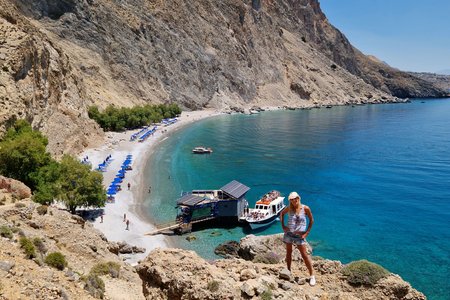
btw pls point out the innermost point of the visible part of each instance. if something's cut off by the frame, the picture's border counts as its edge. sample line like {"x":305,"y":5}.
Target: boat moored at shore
{"x":266,"y":210}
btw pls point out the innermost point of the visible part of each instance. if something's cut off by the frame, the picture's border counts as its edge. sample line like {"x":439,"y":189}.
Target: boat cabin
{"x":275,"y":206}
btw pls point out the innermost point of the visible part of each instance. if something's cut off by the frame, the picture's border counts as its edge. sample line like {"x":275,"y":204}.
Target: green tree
{"x":23,"y":153}
{"x":118,"y":119}
{"x":78,"y":186}
{"x":46,"y":179}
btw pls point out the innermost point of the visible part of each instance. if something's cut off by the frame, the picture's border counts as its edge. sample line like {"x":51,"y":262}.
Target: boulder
{"x":285,"y":274}
{"x":228,"y":249}
{"x":6,"y":265}
{"x":15,"y":187}
{"x":247,"y":274}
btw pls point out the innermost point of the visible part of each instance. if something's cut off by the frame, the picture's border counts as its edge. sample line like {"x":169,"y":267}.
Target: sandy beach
{"x":128,"y":202}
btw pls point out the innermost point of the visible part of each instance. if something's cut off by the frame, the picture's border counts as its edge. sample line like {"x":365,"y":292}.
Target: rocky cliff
{"x":439,"y":80}
{"x":58,"y":57}
{"x":250,"y":273}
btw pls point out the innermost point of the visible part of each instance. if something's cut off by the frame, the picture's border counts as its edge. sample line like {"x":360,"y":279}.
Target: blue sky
{"x":412,"y":35}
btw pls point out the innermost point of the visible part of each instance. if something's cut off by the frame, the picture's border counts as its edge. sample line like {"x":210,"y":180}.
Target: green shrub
{"x":39,"y":244}
{"x":42,"y":210}
{"x":363,"y":272}
{"x":6,"y":232}
{"x":95,"y":286}
{"x":213,"y":286}
{"x":56,"y":260}
{"x":267,"y":295}
{"x":108,"y":268}
{"x":28,"y":247}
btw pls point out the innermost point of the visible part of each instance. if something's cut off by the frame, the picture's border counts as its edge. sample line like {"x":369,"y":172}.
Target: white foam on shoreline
{"x":129,"y":202}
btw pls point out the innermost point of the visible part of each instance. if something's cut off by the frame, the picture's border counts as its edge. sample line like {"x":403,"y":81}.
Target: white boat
{"x":267,"y":209}
{"x":201,"y":150}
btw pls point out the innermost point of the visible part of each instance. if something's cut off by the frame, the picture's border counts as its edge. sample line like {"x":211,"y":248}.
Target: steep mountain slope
{"x":58,"y":57}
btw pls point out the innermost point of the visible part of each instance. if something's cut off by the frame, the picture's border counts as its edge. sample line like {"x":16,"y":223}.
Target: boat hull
{"x":262,"y":223}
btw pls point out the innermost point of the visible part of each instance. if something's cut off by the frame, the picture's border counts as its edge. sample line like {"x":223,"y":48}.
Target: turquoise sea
{"x":377,"y":179}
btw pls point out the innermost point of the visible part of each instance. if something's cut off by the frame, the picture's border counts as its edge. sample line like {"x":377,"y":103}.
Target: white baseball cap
{"x":293,"y":195}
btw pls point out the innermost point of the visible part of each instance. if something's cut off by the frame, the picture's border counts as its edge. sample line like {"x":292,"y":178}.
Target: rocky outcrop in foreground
{"x":25,"y":277}
{"x":181,"y":274}
{"x":164,"y":274}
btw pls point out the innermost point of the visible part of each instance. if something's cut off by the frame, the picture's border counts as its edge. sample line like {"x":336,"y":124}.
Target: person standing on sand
{"x":296,"y":232}
{"x":101,"y":218}
{"x":129,"y":185}
{"x":128,"y":225}
{"x":124,"y":217}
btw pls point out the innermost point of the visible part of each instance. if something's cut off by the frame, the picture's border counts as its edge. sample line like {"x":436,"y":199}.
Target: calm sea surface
{"x":377,"y":179}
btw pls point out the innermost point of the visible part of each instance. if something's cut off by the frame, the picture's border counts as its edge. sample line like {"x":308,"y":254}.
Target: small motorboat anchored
{"x":201,"y":150}
{"x":267,"y":209}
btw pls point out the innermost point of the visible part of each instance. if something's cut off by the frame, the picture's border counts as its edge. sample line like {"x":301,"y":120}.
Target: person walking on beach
{"x":296,"y":231}
{"x":128,"y":225}
{"x":124,"y":217}
{"x":101,"y":218}
{"x":129,"y":185}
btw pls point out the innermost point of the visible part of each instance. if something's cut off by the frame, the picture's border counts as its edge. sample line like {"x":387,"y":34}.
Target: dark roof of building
{"x":235,"y":189}
{"x":190,"y":200}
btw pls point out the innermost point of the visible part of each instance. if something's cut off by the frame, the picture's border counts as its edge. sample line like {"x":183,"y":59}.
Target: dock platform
{"x":225,"y":205}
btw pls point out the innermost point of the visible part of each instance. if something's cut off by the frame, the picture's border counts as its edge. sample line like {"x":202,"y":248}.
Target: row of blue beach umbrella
{"x":168,"y":122}
{"x":114,"y":187}
{"x":134,"y":136}
{"x":144,"y":133}
{"x":102,"y":167}
{"x":147,"y":134}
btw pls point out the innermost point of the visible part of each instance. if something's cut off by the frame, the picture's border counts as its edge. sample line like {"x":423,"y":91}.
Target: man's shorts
{"x":291,"y":238}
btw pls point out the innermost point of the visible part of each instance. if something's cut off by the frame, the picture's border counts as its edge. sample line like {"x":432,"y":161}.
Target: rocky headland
{"x":439,"y":80}
{"x":59,"y":57}
{"x":95,"y":269}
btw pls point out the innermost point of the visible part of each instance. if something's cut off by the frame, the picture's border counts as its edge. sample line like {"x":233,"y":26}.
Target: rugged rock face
{"x":79,"y":242}
{"x":441,"y":81}
{"x":58,"y":57}
{"x":181,"y":274}
{"x":37,"y":83}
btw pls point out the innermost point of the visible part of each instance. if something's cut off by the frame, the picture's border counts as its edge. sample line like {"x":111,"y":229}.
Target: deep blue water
{"x":377,"y":179}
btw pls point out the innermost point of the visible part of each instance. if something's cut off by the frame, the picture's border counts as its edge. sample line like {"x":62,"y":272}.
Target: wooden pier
{"x":176,"y":226}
